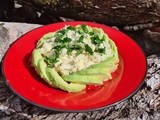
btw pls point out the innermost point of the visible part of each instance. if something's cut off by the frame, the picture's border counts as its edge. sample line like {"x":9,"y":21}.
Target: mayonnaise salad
{"x":73,"y":49}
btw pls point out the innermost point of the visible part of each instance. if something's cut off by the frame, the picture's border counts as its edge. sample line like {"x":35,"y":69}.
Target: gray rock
{"x":10,"y":33}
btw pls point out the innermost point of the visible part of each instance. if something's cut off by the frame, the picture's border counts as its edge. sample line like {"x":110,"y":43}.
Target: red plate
{"x":24,"y":81}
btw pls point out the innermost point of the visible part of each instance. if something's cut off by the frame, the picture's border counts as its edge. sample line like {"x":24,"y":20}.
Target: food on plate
{"x":75,"y":56}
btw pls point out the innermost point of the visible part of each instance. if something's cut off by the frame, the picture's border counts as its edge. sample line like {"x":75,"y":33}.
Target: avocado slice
{"x":44,"y":38}
{"x":85,"y":79}
{"x":60,"y":83}
{"x":99,"y":31}
{"x":51,"y":76}
{"x":95,"y":71}
{"x":42,"y":70}
{"x":110,"y":67}
{"x":36,"y":55}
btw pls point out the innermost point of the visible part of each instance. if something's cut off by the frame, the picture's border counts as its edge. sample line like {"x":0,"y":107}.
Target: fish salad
{"x":75,"y":55}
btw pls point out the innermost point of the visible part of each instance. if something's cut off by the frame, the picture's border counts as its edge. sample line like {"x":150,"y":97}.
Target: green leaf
{"x":69,"y":49}
{"x":102,"y":50}
{"x":71,"y":28}
{"x":91,"y":33}
{"x":84,"y":28}
{"x":79,"y":52}
{"x":50,"y":61}
{"x":76,"y":47}
{"x":81,"y":39}
{"x":58,"y":38}
{"x":66,"y":39}
{"x":63,"y":31}
{"x":88,"y":49}
{"x":96,"y":40}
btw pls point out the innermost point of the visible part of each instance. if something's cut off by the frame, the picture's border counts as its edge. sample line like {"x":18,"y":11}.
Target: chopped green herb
{"x":96,"y":40}
{"x":102,"y":50}
{"x":76,"y":47}
{"x":63,"y":45}
{"x":66,"y":39}
{"x":50,"y":61}
{"x":81,"y":39}
{"x":71,"y":28}
{"x":79,"y":52}
{"x":84,"y":28}
{"x":62,"y":41}
{"x":93,"y":40}
{"x":58,"y":47}
{"x":63,"y":31}
{"x":57,"y":54}
{"x":88,"y":49}
{"x":91,"y":33}
{"x":81,"y":33}
{"x":58,"y":38}
{"x":69,"y":49}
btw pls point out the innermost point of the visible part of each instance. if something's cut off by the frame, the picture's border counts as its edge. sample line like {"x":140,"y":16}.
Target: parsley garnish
{"x":91,"y":33}
{"x":58,"y":37}
{"x":50,"y":61}
{"x":66,"y":39}
{"x":69,"y":49}
{"x":88,"y":49}
{"x":62,"y":41}
{"x":81,"y":39}
{"x":63,"y":31}
{"x":71,"y":28}
{"x":84,"y":28}
{"x":79,"y":49}
{"x":102,"y":50}
{"x":96,"y":40}
{"x":79,"y":52}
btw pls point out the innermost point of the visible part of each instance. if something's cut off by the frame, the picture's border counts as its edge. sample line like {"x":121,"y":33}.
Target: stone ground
{"x":144,"y":105}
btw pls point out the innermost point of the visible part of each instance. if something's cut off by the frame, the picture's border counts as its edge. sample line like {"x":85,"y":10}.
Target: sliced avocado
{"x":89,"y":29}
{"x":42,"y":70}
{"x":115,"y":51}
{"x":99,"y":31}
{"x":112,"y":68}
{"x":112,"y":60}
{"x":60,"y":83}
{"x":115,"y":58}
{"x":51,"y":76}
{"x":95,"y":71}
{"x":109,"y":66}
{"x":36,"y":55}
{"x":44,"y":38}
{"x":85,"y":79}
{"x":104,"y":64}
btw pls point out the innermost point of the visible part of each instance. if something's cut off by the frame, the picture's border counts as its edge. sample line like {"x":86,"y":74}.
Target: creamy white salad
{"x":70,"y":50}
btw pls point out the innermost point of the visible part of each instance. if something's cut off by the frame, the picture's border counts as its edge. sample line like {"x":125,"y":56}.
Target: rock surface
{"x":112,"y":12}
{"x":144,"y":105}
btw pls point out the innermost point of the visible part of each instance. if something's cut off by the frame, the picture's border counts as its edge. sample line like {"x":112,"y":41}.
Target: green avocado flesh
{"x":85,"y":79}
{"x":60,"y":83}
{"x":106,"y":65}
{"x":93,"y":75}
{"x":94,"y":71}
